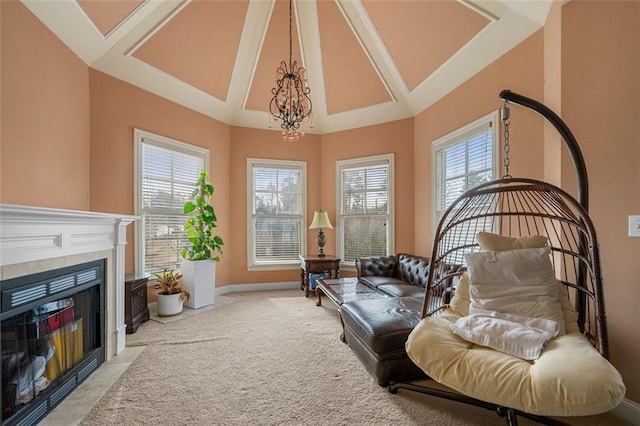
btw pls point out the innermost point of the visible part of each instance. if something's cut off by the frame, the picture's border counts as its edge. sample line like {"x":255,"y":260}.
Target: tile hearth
{"x":76,"y":407}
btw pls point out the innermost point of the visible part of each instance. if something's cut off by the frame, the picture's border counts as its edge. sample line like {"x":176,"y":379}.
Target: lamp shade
{"x":320,"y":220}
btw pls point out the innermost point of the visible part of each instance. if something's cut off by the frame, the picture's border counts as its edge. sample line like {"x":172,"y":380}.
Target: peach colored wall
{"x":601,"y":104}
{"x":394,"y":137}
{"x":553,"y":145}
{"x":45,"y":116}
{"x":265,"y":144}
{"x":321,"y":154}
{"x":519,"y":70}
{"x":116,"y":109}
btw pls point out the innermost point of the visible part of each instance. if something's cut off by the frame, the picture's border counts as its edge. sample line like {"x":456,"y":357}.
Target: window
{"x":165,"y":175}
{"x":463,"y":159}
{"x":365,"y":207}
{"x":276,"y":224}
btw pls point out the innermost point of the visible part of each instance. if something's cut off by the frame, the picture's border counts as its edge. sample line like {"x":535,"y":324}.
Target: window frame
{"x":139,"y":137}
{"x":252,"y":263}
{"x":456,"y":137}
{"x":373,"y":160}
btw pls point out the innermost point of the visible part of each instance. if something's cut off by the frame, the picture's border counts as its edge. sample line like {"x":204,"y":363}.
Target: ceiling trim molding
{"x":367,"y":116}
{"x":71,"y":24}
{"x":157,"y":27}
{"x":122,"y":23}
{"x":309,"y":31}
{"x":511,"y":22}
{"x":132,"y":70}
{"x":496,"y":39}
{"x":478,"y":9}
{"x":249,"y":48}
{"x":368,"y":28}
{"x":372,"y":42}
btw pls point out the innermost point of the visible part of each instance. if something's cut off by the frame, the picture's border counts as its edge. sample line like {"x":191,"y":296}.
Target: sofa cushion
{"x":375,"y":281}
{"x":382,"y":324}
{"x":402,"y":290}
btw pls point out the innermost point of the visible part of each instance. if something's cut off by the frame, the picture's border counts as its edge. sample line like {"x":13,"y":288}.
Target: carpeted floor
{"x":266,"y":358}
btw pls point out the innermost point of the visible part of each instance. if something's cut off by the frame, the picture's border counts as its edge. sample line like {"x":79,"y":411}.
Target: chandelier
{"x":291,"y":102}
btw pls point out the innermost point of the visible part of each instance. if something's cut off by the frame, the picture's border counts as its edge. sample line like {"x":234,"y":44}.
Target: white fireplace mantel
{"x":34,"y":239}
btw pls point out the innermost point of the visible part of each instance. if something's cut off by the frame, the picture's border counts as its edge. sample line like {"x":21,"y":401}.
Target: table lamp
{"x":321,"y":220}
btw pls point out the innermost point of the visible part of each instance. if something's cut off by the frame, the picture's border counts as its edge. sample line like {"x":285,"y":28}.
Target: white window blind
{"x":276,"y":230}
{"x":463,"y":160}
{"x":365,"y":207}
{"x":167,"y":175}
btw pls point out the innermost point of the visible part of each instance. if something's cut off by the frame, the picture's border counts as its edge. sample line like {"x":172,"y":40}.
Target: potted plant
{"x":171,"y":296}
{"x":201,"y":256}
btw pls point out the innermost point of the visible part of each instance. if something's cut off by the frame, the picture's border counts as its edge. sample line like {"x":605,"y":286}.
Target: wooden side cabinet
{"x":135,"y":306}
{"x":309,"y":264}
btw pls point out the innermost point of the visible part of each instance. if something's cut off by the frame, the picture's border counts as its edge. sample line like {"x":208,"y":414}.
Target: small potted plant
{"x":171,"y":297}
{"x":200,"y":257}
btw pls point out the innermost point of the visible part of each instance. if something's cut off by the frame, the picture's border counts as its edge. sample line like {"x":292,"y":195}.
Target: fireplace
{"x":71,"y":262}
{"x":52,"y":338}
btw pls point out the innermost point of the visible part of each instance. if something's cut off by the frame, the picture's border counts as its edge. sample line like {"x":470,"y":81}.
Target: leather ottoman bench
{"x":377,"y":329}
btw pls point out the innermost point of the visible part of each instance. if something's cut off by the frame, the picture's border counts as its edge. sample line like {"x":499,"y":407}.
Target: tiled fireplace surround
{"x":35,"y":239}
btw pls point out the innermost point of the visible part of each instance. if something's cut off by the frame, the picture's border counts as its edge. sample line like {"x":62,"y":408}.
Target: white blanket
{"x":516,"y":335}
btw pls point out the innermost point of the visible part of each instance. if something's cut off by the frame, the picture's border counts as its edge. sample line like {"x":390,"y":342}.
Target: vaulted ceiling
{"x":367,"y":61}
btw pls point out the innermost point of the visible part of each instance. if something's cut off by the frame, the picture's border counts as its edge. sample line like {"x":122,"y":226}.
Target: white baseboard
{"x":628,"y":411}
{"x":234,"y":288}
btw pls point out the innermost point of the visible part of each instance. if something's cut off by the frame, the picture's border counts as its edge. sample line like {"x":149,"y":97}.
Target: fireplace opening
{"x":52,"y":338}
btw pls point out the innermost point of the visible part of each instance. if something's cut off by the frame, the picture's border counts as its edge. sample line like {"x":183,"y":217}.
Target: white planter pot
{"x":168,"y":304}
{"x":199,"y":279}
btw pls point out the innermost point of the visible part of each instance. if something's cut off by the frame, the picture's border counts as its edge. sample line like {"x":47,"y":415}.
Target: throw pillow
{"x":460,"y":299}
{"x":519,"y":282}
{"x":495,"y":242}
{"x":460,"y":302}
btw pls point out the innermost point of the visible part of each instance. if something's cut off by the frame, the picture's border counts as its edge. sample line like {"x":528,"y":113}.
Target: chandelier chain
{"x":506,"y":121}
{"x":290,"y":36}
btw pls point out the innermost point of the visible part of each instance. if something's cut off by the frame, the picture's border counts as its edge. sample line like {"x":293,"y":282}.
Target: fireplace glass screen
{"x":52,"y":338}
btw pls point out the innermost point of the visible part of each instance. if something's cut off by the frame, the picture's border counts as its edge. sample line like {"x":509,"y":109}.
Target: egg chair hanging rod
{"x":569,"y":140}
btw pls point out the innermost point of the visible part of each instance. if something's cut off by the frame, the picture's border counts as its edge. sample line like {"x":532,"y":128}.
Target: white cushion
{"x":460,"y":303}
{"x":519,"y":282}
{"x":570,"y":378}
{"x":494,"y":242}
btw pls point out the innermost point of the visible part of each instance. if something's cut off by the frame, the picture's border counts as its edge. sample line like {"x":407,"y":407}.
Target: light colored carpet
{"x":266,"y":358}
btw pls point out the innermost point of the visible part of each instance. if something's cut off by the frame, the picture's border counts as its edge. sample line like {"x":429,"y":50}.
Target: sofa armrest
{"x":382,"y":266}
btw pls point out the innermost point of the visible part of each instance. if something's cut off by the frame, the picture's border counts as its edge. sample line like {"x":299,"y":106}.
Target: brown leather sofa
{"x":377,"y":329}
{"x":400,"y":275}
